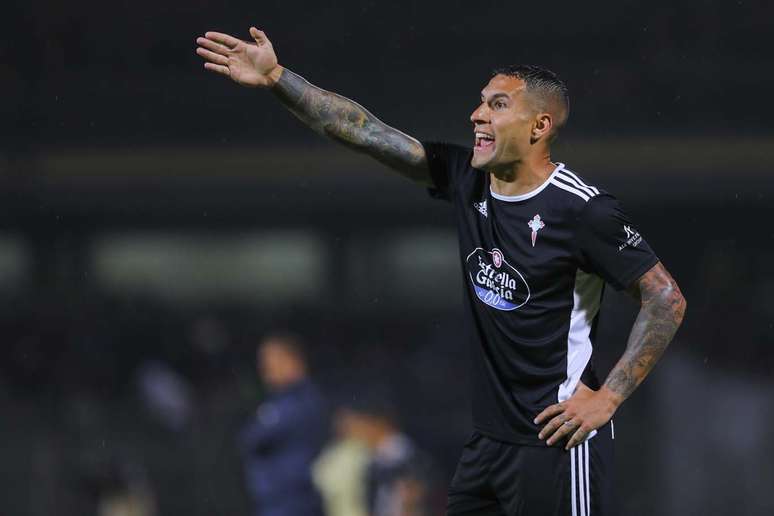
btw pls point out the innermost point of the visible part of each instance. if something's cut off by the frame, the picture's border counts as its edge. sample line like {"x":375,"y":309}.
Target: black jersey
{"x":534,"y":268}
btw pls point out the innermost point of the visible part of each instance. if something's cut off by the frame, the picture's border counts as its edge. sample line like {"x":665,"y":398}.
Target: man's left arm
{"x":662,"y":307}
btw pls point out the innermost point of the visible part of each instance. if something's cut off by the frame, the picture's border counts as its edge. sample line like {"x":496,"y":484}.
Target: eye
{"x":499,"y":104}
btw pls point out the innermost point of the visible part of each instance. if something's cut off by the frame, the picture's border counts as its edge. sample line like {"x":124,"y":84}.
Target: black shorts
{"x":503,"y":479}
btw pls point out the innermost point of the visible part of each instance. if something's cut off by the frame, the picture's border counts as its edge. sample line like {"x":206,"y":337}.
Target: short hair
{"x":549,"y":90}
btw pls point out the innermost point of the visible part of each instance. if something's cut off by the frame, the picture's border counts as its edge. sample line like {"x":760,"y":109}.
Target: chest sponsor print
{"x":496,"y":282}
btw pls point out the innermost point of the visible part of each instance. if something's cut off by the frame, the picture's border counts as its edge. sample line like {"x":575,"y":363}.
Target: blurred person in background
{"x":127,"y":497}
{"x":537,"y":246}
{"x":120,"y":483}
{"x":340,"y":471}
{"x":398,"y":476}
{"x":166,"y":394}
{"x":288,"y":430}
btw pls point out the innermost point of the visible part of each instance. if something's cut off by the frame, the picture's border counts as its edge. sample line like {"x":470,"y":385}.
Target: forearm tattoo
{"x":661,"y":312}
{"x":351,"y":124}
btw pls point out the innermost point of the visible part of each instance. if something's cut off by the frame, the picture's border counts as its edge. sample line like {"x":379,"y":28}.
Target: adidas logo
{"x":481,"y":207}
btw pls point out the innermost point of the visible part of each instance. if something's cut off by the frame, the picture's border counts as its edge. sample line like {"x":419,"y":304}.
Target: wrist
{"x":612,"y":398}
{"x":273,"y":77}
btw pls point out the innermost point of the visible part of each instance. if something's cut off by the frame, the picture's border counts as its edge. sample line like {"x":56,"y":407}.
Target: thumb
{"x":258,"y":35}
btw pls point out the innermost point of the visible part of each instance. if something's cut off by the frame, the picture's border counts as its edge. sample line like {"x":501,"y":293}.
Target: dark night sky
{"x":125,"y":73}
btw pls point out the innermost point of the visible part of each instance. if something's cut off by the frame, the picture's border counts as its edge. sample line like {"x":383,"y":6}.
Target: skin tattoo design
{"x":662,"y":310}
{"x":352,"y":125}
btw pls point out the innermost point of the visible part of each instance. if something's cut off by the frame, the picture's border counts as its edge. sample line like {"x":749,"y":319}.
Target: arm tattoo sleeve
{"x":661,"y":312}
{"x":347,"y":122}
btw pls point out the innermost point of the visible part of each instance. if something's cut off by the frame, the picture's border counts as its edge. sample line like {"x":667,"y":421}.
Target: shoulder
{"x":573,"y":188}
{"x":450,"y":169}
{"x":449,"y":153}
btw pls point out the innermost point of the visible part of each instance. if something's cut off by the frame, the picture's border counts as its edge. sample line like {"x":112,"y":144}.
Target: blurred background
{"x":157,"y":222}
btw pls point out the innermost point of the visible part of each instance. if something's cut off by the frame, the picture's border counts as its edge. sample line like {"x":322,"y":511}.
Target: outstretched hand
{"x":249,"y":64}
{"x":576,"y":417}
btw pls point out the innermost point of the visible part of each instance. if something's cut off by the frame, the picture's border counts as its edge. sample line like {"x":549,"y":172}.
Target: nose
{"x":480,"y":115}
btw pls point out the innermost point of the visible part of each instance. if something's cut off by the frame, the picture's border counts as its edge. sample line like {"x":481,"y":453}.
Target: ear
{"x":544,"y":122}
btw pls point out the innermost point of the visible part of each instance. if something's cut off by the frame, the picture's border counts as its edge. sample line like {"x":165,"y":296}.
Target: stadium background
{"x":155,"y":217}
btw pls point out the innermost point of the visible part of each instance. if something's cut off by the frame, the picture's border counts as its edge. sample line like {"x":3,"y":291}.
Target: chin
{"x":480,"y":162}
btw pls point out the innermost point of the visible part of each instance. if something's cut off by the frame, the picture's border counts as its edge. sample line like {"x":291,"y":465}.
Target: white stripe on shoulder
{"x":577,"y":184}
{"x":568,"y":188}
{"x":580,"y":181}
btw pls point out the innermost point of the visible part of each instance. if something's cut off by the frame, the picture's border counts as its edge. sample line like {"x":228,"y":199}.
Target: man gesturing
{"x":537,"y":245}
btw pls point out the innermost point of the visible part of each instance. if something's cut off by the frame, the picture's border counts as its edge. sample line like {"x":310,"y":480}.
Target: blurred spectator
{"x":127,"y":493}
{"x":340,"y":472}
{"x":398,"y":474}
{"x":119,"y":482}
{"x":166,"y":394}
{"x":287,"y":432}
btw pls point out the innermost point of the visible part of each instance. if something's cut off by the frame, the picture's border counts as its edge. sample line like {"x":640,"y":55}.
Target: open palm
{"x":249,"y":64}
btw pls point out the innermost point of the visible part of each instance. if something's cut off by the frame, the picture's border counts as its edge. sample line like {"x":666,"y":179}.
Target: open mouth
{"x":484,"y":141}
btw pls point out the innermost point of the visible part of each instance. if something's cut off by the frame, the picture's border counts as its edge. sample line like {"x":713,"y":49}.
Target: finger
{"x":223,"y":70}
{"x":577,"y":438}
{"x":212,"y":46}
{"x":223,"y":39}
{"x":552,"y":425}
{"x":563,"y":431}
{"x":258,"y":35}
{"x":212,"y":56}
{"x":549,"y":412}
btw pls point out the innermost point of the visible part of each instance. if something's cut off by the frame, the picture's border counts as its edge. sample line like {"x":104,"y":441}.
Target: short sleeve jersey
{"x":534,"y":268}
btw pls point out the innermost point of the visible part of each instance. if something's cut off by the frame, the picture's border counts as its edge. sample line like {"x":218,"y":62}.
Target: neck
{"x":522,"y":176}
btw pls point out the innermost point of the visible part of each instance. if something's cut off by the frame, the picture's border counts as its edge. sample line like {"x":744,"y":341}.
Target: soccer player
{"x":537,"y":244}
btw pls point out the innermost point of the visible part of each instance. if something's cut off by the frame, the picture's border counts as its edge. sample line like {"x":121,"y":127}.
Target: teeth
{"x":484,"y":136}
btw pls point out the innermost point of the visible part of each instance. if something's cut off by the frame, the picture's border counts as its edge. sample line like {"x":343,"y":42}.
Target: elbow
{"x":660,"y":296}
{"x":680,"y":307}
{"x":673,"y":299}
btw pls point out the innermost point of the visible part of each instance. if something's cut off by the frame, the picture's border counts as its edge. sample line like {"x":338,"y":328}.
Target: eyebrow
{"x":495,"y":96}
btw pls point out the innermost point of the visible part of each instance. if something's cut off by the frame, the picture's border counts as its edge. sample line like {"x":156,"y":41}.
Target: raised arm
{"x":341,"y":119}
{"x":662,"y":307}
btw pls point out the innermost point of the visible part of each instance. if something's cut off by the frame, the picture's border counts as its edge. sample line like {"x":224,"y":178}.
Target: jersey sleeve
{"x":447,"y":164}
{"x":610,"y":245}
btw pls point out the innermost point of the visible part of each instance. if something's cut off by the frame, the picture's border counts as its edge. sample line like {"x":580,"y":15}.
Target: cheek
{"x":505,"y":134}
{"x":513,"y":133}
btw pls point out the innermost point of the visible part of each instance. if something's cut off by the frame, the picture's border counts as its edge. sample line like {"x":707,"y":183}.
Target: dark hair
{"x":544,"y":85}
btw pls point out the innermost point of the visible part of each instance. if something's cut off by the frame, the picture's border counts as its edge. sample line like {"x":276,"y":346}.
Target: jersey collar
{"x":530,"y":194}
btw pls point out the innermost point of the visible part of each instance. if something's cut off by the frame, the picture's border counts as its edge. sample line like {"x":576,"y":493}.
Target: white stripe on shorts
{"x":573,"y":494}
{"x":580,"y":481}
{"x":588,"y":482}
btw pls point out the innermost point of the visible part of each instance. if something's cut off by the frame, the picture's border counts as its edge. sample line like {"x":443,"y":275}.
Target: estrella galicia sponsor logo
{"x":495,"y":281}
{"x":633,"y":238}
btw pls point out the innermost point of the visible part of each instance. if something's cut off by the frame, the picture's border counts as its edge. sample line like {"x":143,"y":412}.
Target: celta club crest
{"x":535,"y":225}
